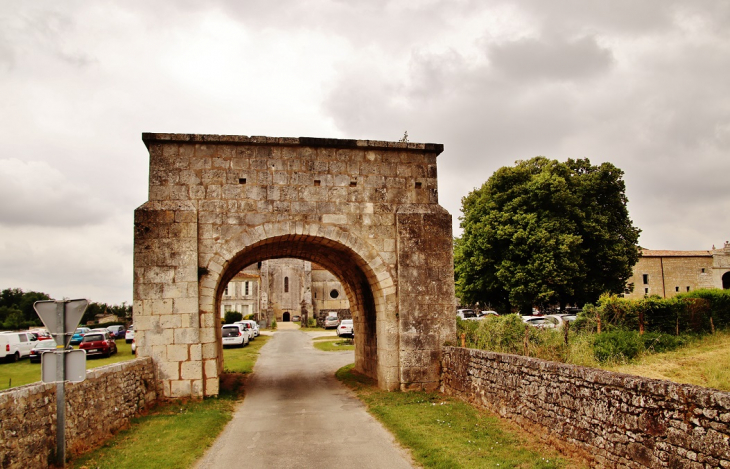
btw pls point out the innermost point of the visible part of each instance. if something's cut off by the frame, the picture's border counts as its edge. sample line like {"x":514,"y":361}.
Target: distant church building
{"x":668,"y":273}
{"x":282,"y":289}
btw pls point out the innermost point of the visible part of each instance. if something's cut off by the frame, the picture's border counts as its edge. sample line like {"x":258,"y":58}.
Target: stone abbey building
{"x":281,"y":288}
{"x":668,"y":273}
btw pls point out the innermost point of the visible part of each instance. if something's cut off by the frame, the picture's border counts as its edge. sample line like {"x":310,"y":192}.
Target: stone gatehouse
{"x":367,"y":211}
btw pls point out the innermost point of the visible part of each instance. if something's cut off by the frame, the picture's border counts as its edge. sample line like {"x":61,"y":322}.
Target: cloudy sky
{"x":644,"y":85}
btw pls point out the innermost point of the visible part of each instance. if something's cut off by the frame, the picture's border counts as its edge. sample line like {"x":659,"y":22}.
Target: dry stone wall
{"x":613,"y":419}
{"x":95,"y":408}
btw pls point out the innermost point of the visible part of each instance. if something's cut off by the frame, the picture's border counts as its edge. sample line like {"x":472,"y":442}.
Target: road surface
{"x":297,"y":415}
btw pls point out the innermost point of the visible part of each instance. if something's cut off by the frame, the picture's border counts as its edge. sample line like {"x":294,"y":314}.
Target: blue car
{"x":79,"y":335}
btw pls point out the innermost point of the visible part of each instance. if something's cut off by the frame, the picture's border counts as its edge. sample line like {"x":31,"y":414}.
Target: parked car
{"x":488,"y":313}
{"x":545,"y":322}
{"x":98,"y":343}
{"x":117,"y":331}
{"x":345,"y":328}
{"x":296,"y":318}
{"x":42,"y":334}
{"x":253,"y":324}
{"x":79,"y":335}
{"x":331,"y":321}
{"x":16,"y":345}
{"x":129,"y":335}
{"x":40,"y":348}
{"x":563,"y":318}
{"x":234,"y":334}
{"x":134,"y":347}
{"x":467,"y":314}
{"x":248,"y":329}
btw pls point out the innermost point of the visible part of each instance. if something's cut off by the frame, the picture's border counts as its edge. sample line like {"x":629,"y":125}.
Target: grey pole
{"x":60,"y":390}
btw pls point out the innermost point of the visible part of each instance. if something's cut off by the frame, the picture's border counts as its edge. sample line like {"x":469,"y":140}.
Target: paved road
{"x":297,"y":415}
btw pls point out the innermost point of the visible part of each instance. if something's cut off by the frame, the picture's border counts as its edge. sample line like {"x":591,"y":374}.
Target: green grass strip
{"x":172,"y":436}
{"x":176,"y":434}
{"x":242,"y":360}
{"x":442,"y":432}
{"x":334,"y":344}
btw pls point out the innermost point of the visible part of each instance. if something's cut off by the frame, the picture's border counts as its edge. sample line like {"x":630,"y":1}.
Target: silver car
{"x":331,"y":321}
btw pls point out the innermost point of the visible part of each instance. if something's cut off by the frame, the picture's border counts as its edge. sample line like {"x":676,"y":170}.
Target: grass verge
{"x":185,"y":428}
{"x":333,"y":344}
{"x":442,"y":432}
{"x":24,"y":372}
{"x":242,"y":360}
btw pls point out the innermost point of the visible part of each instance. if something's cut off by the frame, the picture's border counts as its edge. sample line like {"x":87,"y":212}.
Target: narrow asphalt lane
{"x":297,"y":415}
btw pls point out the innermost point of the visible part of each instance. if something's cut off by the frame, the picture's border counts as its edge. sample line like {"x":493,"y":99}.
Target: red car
{"x":98,"y":343}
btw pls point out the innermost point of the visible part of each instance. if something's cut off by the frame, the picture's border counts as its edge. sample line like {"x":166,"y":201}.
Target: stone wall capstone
{"x":613,"y":419}
{"x":95,"y":408}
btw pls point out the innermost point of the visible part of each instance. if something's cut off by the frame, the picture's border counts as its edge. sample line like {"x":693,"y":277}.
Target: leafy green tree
{"x":16,"y":308}
{"x":545,"y":232}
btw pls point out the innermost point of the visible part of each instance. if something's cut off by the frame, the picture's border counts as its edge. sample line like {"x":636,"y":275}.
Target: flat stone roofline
{"x":661,"y":253}
{"x":149,"y":138}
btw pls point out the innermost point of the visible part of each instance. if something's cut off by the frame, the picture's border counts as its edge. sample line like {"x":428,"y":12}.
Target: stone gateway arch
{"x":365,"y":210}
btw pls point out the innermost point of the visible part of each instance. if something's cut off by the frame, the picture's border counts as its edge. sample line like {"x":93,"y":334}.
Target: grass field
{"x":24,"y":372}
{"x":703,"y":362}
{"x":446,"y":433}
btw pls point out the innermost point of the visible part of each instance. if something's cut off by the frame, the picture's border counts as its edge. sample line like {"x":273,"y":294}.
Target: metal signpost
{"x":61,"y":319}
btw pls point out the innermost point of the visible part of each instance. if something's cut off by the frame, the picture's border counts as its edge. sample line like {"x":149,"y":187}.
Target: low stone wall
{"x":95,"y":408}
{"x":613,"y":419}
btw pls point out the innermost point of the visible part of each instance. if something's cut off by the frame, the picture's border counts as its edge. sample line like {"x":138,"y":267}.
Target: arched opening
{"x":726,"y":281}
{"x":363,"y":288}
{"x":286,"y":316}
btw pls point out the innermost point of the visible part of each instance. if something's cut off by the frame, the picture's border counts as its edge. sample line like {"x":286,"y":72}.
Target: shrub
{"x":618,"y":346}
{"x":656,"y":342}
{"x":719,"y":305}
{"x":273,"y":324}
{"x":232,"y":316}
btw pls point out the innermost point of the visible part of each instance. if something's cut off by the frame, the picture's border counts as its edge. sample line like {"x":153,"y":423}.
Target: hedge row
{"x":698,"y":311}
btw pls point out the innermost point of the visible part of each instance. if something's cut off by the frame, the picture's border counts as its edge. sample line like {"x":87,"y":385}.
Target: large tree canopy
{"x":545,"y":232}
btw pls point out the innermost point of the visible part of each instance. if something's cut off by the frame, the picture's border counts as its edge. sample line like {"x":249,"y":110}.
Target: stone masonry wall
{"x":367,"y":211}
{"x":614,"y":419}
{"x":95,"y":408}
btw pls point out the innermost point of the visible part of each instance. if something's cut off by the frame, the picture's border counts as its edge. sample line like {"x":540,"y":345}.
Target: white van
{"x":15,"y":345}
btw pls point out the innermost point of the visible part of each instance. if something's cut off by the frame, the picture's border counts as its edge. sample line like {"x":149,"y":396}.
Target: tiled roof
{"x":659,"y":253}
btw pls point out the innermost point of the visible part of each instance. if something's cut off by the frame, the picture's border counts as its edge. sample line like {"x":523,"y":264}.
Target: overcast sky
{"x":642,"y":84}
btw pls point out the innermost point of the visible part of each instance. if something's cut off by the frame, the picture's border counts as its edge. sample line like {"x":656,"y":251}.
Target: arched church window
{"x":286,"y":284}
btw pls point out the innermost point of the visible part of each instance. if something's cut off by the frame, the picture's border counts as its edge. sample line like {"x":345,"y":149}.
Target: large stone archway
{"x":366,"y":211}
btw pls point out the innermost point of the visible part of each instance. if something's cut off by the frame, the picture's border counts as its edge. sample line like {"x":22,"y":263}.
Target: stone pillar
{"x":166,"y":309}
{"x":425,"y":294}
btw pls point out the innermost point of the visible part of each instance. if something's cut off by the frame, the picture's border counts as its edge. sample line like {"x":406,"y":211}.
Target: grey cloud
{"x":550,"y":59}
{"x":662,"y":115}
{"x":31,"y":30}
{"x":35,"y":194}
